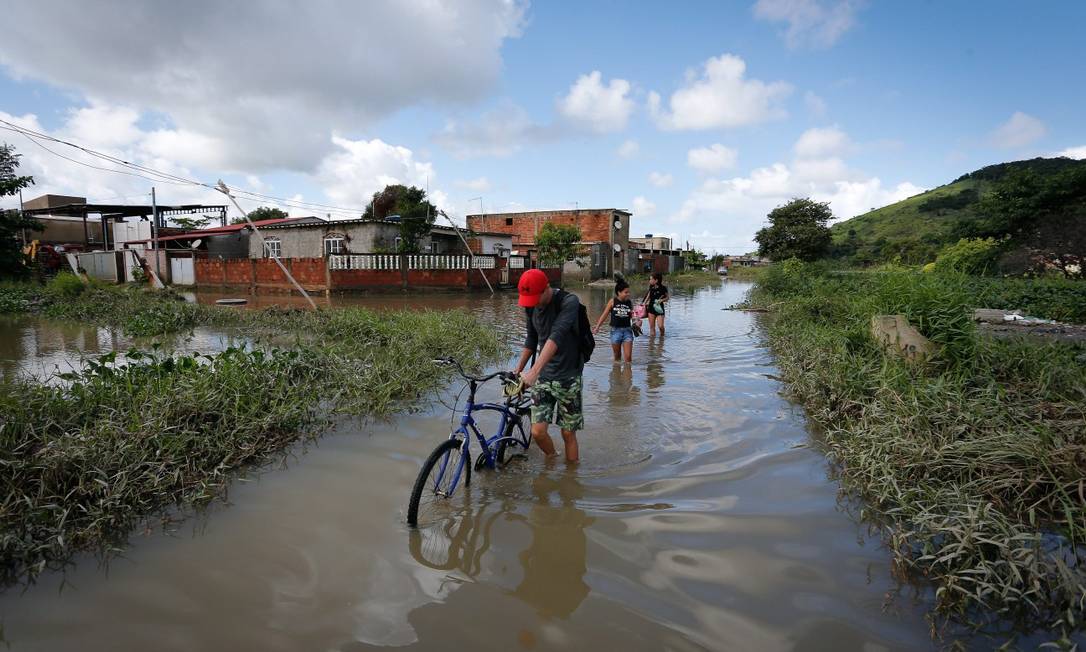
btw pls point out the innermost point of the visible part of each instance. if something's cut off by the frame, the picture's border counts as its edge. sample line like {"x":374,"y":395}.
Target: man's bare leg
{"x":569,"y":437}
{"x":542,"y":439}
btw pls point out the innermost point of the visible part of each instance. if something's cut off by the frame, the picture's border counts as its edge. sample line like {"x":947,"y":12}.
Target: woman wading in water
{"x":655,"y":299}
{"x":620,"y":308}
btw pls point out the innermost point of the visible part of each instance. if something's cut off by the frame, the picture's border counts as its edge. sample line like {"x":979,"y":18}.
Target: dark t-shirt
{"x":656,"y":292}
{"x":620,"y":313}
{"x":557,"y":321}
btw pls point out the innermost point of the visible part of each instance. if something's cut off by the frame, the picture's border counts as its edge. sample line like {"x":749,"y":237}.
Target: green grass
{"x":84,"y":460}
{"x":682,"y":280}
{"x":971,"y":466}
{"x":914,"y":230}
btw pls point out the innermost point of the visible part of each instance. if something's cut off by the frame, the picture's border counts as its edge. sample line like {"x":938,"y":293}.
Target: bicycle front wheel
{"x":441,"y":474}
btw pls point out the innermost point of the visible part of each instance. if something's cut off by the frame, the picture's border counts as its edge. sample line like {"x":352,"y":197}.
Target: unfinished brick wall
{"x":438,"y":278}
{"x":359,"y":279}
{"x":595,"y":224}
{"x":308,"y":271}
{"x":209,"y":271}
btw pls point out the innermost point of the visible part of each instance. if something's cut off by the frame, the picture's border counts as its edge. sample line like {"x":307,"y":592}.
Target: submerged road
{"x":699,"y":519}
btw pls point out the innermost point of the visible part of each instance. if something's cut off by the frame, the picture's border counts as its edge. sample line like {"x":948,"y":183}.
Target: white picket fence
{"x":364,"y":261}
{"x":413,"y":261}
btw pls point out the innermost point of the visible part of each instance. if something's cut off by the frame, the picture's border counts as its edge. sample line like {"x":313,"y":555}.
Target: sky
{"x":700,"y":118}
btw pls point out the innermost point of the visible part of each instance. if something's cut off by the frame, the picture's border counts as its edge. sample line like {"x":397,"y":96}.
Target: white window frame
{"x":273,"y":248}
{"x":339,"y":241}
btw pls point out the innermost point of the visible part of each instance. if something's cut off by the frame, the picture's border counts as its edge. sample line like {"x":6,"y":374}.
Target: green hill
{"x":1038,"y":203}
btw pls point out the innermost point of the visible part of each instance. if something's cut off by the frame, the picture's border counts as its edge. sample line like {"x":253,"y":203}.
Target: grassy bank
{"x":972,"y":465}
{"x":691,"y":279}
{"x":84,"y":461}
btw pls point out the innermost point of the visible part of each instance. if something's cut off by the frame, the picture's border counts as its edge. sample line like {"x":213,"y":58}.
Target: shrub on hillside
{"x":968,"y":256}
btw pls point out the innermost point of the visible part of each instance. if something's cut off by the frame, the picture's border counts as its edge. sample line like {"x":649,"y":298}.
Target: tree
{"x":557,"y":243}
{"x":695,"y":259}
{"x":191,"y":223}
{"x":12,"y":260}
{"x":262,"y":213}
{"x":415,"y":212}
{"x":796,"y":230}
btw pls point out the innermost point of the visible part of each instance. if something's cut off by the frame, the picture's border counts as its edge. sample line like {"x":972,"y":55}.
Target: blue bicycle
{"x":451,"y":461}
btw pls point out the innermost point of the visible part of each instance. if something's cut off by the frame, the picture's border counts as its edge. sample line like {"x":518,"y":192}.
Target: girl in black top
{"x":655,"y":299}
{"x":620,"y":308}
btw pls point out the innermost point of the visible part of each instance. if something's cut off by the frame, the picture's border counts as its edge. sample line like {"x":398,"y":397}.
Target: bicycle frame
{"x":468,"y":427}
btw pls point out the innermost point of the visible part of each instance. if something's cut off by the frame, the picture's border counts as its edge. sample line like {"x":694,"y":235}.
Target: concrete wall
{"x":233,"y":245}
{"x":102,"y":265}
{"x":263,"y":275}
{"x":595,"y":224}
{"x":308,"y":241}
{"x":655,"y":242}
{"x":52,"y":201}
{"x":63,"y":230}
{"x":485,"y":244}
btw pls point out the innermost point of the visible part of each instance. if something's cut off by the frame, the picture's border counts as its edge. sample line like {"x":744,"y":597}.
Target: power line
{"x":141,"y":171}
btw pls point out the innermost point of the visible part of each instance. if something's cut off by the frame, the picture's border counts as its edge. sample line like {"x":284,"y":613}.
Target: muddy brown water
{"x":699,"y":519}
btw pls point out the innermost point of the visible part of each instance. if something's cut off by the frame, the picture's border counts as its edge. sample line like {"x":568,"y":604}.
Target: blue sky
{"x":700,"y":117}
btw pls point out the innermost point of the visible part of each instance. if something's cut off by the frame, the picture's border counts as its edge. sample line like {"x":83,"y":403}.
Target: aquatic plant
{"x":972,"y":466}
{"x":86,"y":459}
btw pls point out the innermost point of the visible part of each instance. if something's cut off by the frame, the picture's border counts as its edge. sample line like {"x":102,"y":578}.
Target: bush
{"x":968,"y":256}
{"x":65,"y":284}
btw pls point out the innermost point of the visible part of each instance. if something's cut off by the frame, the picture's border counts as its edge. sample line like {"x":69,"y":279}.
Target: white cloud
{"x":732,"y":209}
{"x":643,"y":207}
{"x":628,"y":149}
{"x":348,"y":176}
{"x":815,"y":104}
{"x":113,"y":131}
{"x":822,"y":141}
{"x":499,"y":132}
{"x":660,"y":179}
{"x":811,"y":23}
{"x":713,"y":158}
{"x":721,"y":97}
{"x":267,"y":82}
{"x":359,"y":168}
{"x":598,"y":107}
{"x":1020,"y":130}
{"x":1074,"y":152}
{"x":482,"y":184}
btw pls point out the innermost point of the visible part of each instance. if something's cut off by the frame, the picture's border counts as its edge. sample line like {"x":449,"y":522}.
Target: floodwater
{"x":700,"y":518}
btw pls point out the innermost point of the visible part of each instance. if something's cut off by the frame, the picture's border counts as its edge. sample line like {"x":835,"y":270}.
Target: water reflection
{"x":654,"y":368}
{"x":554,"y":562}
{"x":623,"y":391}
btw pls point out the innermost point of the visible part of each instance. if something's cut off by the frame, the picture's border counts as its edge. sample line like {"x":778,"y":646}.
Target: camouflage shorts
{"x":558,"y":401}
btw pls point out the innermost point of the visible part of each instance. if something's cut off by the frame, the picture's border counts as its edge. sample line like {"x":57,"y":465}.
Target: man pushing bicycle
{"x":556,"y":377}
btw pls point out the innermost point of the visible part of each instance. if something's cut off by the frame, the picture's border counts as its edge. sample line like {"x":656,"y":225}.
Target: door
{"x":181,"y":271}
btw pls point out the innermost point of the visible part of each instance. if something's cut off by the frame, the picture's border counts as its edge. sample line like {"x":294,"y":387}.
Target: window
{"x":273,"y":248}
{"x":334,"y":244}
{"x":509,"y":221}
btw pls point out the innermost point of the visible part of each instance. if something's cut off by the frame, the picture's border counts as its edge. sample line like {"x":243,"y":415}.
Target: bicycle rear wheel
{"x":434,"y":485}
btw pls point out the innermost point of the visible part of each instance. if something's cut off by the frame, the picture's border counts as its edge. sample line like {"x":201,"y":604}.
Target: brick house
{"x":602,"y":230}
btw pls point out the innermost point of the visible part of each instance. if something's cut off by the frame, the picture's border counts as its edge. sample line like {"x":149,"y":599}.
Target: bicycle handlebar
{"x":504,"y":375}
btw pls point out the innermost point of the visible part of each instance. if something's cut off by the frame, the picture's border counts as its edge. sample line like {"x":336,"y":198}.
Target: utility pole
{"x":154,"y":232}
{"x":22,"y":231}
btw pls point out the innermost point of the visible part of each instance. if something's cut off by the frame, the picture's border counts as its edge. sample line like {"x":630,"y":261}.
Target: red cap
{"x":533,"y":283}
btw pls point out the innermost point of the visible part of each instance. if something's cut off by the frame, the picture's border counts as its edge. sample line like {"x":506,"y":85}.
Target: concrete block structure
{"x":609,"y":227}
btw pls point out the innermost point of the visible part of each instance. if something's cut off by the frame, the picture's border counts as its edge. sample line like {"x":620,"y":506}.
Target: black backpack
{"x":585,"y":339}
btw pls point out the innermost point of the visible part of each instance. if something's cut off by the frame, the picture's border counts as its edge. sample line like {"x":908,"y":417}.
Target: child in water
{"x":620,"y":308}
{"x":655,"y":299}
